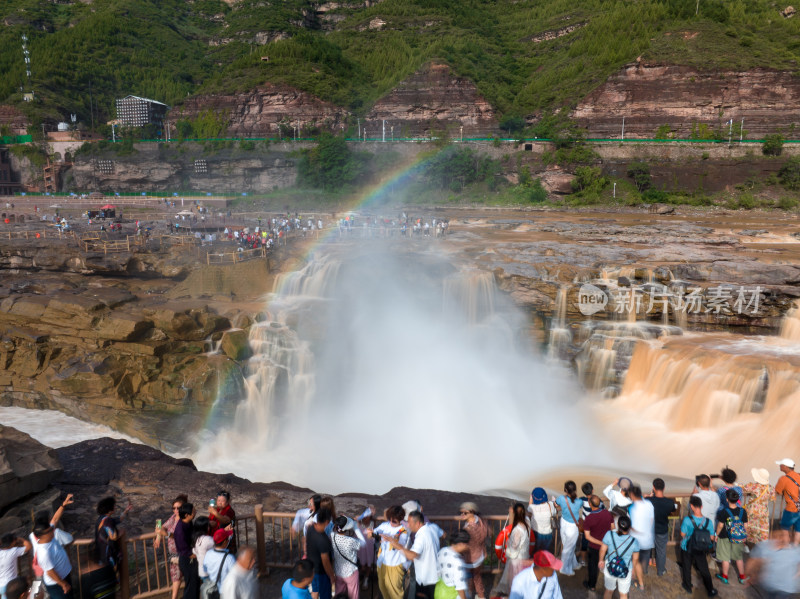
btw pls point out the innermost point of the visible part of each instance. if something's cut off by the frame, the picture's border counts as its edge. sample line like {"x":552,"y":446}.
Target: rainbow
{"x":369,"y":196}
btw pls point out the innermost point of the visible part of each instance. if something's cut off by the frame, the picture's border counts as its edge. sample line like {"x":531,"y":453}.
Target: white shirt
{"x":615,"y":498}
{"x":345,"y":552}
{"x":426,"y":546}
{"x":643,"y":522}
{"x":540,"y":517}
{"x":388,"y":555}
{"x":212,"y":562}
{"x":202,"y":546}
{"x":710,"y":501}
{"x":525,"y":586}
{"x":51,"y":556}
{"x":450,"y":566}
{"x":8,"y":564}
{"x":239,"y":584}
{"x":300,"y":518}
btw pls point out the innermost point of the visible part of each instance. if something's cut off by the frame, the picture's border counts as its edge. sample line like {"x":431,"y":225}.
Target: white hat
{"x":788,"y":462}
{"x":760,"y":475}
{"x":349,"y":525}
{"x":410,"y":506}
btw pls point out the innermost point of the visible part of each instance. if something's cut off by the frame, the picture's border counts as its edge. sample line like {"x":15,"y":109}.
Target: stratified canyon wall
{"x":434,"y":99}
{"x":261,"y":112}
{"x":649,"y":96}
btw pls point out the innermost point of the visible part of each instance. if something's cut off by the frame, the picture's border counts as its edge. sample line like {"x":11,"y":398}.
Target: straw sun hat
{"x":760,"y":475}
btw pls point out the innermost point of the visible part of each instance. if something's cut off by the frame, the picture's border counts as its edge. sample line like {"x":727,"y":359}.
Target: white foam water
{"x":56,"y":429}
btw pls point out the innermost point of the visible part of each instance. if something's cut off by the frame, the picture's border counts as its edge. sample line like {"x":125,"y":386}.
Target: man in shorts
{"x":789,"y":486}
{"x":620,"y":544}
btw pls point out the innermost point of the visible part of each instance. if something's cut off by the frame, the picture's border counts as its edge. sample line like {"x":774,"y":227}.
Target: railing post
{"x":124,"y":576}
{"x":261,"y":545}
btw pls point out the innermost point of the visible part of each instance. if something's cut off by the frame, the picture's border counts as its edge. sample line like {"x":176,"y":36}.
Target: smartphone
{"x":158,"y":524}
{"x":213,"y":503}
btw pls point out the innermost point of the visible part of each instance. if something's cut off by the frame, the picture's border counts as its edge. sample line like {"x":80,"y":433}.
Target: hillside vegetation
{"x":86,"y":53}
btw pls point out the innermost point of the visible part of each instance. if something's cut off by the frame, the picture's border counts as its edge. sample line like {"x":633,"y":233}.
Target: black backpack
{"x":700,"y":540}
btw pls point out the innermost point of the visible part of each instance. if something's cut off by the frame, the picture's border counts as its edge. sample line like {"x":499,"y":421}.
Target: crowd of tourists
{"x":201,"y":552}
{"x":402,"y":225}
{"x":617,"y":539}
{"x":619,"y":536}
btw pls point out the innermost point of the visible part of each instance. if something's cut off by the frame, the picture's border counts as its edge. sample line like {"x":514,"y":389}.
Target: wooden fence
{"x":95,"y":244}
{"x":55,"y":233}
{"x":235,"y":257}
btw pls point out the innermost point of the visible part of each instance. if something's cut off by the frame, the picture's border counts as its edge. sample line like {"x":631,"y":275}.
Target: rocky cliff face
{"x":12,"y":118}
{"x":649,"y":96}
{"x":433,"y":99}
{"x":260,"y":113}
{"x":26,"y":466}
{"x":156,"y":167}
{"x":122,"y":349}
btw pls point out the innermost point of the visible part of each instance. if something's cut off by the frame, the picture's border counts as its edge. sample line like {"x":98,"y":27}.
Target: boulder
{"x":661,"y":209}
{"x":235,"y":345}
{"x":26,"y":466}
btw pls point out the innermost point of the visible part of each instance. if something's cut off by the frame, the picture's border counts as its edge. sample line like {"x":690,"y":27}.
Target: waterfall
{"x":712,"y":399}
{"x":790,"y":327}
{"x":559,"y":335}
{"x":373,"y":355}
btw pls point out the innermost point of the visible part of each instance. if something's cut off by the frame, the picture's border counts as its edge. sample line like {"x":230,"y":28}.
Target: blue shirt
{"x":289,"y":591}
{"x":626,"y":546}
{"x":562,"y":501}
{"x":690,"y":523}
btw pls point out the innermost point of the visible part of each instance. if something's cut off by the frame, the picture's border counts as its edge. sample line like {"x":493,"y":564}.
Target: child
{"x":296,"y":587}
{"x":731,"y":536}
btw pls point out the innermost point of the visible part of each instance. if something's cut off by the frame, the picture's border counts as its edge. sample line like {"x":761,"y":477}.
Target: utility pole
{"x":730,"y":131}
{"x":359,"y":128}
{"x":623,"y":129}
{"x":741,"y":131}
{"x":113,"y":133}
{"x":392,"y":132}
{"x":383,"y":132}
{"x":462,"y":134}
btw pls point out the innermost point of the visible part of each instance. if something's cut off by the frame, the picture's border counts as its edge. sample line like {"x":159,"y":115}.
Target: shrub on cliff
{"x":773,"y":145}
{"x":331,"y":164}
{"x":640,"y":173}
{"x":789,"y":175}
{"x":589,"y":179}
{"x":455,"y":168}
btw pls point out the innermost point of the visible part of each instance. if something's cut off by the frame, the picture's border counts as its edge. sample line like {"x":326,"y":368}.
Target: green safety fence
{"x":15,"y":139}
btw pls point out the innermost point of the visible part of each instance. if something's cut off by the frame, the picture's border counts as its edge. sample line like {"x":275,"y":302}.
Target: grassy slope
{"x":167,"y":49}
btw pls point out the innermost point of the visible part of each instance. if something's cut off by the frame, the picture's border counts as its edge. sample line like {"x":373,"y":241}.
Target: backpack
{"x":736,"y":530}
{"x":617,"y":566}
{"x":700,"y":540}
{"x":210,"y":588}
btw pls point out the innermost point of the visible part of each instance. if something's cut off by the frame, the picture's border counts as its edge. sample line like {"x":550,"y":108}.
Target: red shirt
{"x":598,"y":524}
{"x":226,"y":511}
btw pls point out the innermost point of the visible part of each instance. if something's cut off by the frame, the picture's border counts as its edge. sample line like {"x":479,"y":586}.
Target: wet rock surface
{"x":26,"y":466}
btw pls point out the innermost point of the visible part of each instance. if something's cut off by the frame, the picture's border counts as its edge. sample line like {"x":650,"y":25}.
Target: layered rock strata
{"x":649,"y":96}
{"x":433,"y":99}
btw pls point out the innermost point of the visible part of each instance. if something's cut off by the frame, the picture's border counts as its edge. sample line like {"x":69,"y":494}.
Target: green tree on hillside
{"x":331,"y":164}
